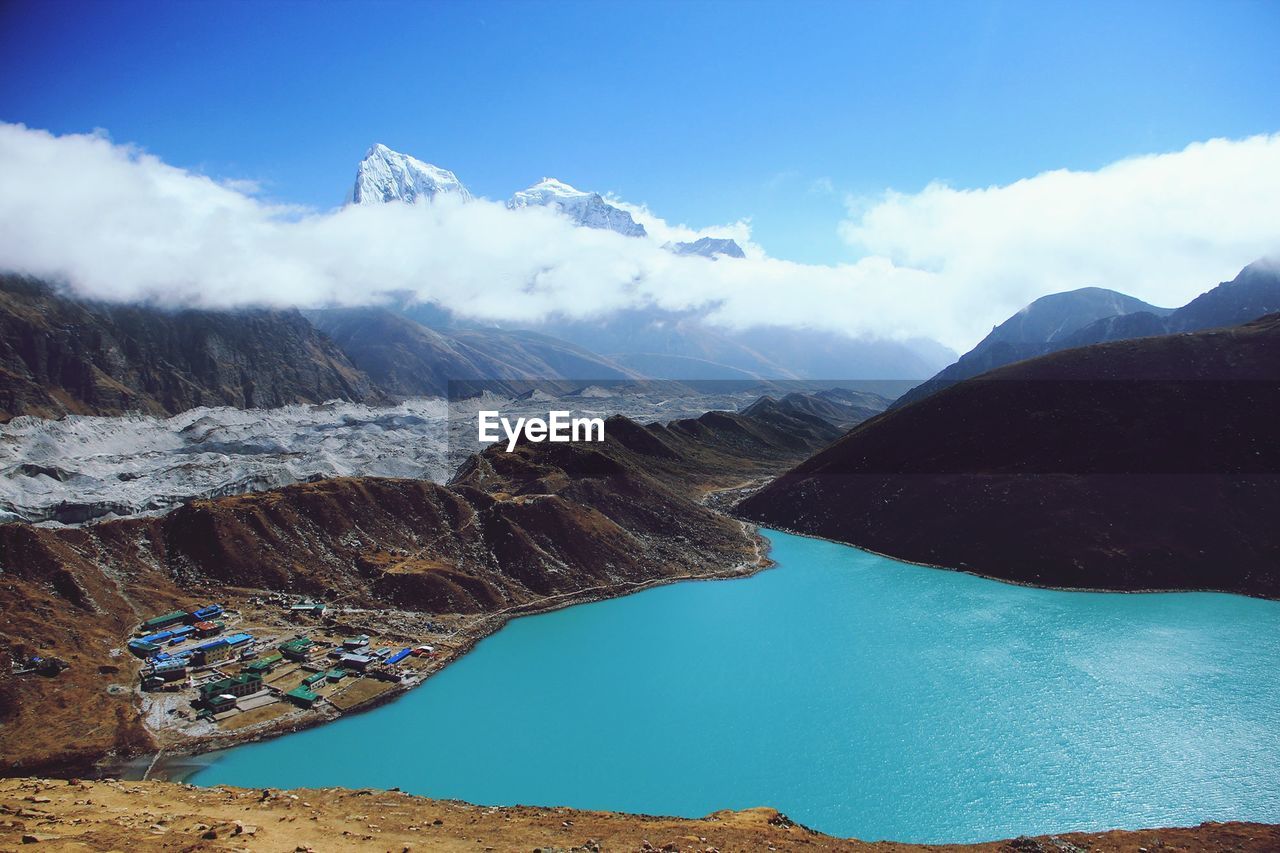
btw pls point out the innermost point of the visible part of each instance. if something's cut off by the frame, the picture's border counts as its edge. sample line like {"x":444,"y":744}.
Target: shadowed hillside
{"x":60,"y":355}
{"x":1143,"y":464}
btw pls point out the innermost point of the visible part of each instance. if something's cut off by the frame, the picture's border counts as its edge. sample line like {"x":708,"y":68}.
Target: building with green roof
{"x":297,"y":649}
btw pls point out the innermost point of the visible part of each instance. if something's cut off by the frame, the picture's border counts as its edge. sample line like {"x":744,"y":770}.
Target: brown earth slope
{"x":60,"y":355}
{"x":109,"y":815}
{"x":512,"y":529}
{"x":1143,"y":464}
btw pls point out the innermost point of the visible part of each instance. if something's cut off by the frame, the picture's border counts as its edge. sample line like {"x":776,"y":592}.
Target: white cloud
{"x":665,"y":232}
{"x":1161,"y":227}
{"x":247,"y":186}
{"x":116,"y":223}
{"x":822,"y":186}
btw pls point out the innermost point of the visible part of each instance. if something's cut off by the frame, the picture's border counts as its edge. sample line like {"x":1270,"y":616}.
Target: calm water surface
{"x":859,"y":695}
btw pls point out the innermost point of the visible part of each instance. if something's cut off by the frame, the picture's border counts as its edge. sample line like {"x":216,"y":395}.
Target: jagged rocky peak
{"x":385,"y":175}
{"x":708,"y":247}
{"x":584,"y":208}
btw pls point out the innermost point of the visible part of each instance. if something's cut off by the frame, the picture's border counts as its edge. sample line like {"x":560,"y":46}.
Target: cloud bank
{"x":113,"y":222}
{"x":1163,"y":228}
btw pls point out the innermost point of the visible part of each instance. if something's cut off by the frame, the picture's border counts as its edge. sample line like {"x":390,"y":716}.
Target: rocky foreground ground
{"x":138,"y":816}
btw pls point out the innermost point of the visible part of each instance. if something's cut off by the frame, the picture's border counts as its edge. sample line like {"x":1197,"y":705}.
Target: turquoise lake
{"x":860,"y":696}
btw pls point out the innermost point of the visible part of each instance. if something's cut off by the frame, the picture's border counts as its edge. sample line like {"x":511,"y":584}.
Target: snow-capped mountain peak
{"x":708,"y":247}
{"x":585,"y":208}
{"x":385,"y":175}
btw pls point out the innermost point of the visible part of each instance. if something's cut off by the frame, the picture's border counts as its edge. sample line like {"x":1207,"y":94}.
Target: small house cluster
{"x":173,"y":642}
{"x":233,"y":671}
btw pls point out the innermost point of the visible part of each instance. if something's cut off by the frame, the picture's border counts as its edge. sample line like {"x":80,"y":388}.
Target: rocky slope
{"x":60,"y":355}
{"x":511,"y":529}
{"x":1092,"y":315}
{"x":1143,"y":464}
{"x":108,"y":815}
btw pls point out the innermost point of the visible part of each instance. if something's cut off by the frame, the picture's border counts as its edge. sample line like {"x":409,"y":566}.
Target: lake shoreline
{"x":861,"y":686}
{"x":159,"y":764}
{"x":997,"y":579}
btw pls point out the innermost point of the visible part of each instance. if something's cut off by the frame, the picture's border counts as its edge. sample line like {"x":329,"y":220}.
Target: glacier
{"x":84,"y":468}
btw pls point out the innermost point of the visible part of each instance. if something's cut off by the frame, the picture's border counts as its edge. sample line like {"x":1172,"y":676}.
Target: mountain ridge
{"x":1253,"y":293}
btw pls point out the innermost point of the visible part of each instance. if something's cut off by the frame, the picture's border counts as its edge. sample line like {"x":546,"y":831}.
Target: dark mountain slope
{"x":407,"y":358}
{"x":1039,"y":328}
{"x":1253,"y":293}
{"x":60,"y":355}
{"x":1144,"y":464}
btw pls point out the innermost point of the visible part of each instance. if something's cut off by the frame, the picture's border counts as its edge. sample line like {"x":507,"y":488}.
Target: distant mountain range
{"x":407,"y":359}
{"x":670,"y":345}
{"x":1093,"y":315}
{"x":61,"y":355}
{"x":386,"y":176}
{"x":1151,"y":463}
{"x":651,"y":342}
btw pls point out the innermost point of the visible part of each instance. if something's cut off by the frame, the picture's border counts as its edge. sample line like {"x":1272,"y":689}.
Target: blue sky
{"x":707,"y":112}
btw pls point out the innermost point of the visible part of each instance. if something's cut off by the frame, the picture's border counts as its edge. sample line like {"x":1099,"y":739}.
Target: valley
{"x":380,"y":385}
{"x":83,"y":468}
{"x":512,"y":532}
